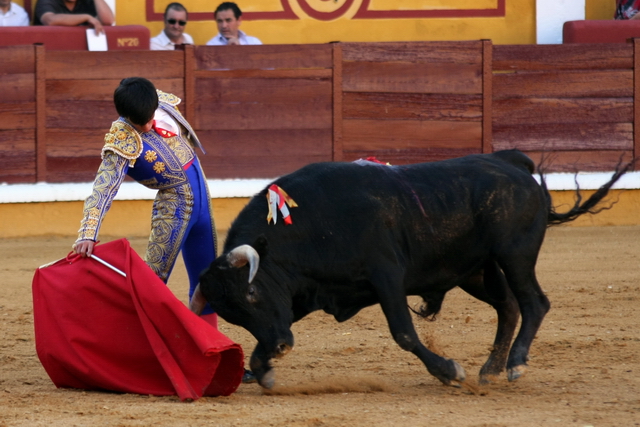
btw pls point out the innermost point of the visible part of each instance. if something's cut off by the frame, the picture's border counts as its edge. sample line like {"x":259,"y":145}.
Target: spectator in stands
{"x":94,"y":13}
{"x":175,"y":19}
{"x":12,"y":15}
{"x":627,"y":9}
{"x":228,"y":18}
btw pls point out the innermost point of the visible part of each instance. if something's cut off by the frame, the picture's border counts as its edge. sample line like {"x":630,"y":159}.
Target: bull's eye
{"x":252,"y":295}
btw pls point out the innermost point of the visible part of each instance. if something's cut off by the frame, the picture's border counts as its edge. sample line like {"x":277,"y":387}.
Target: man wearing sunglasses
{"x":175,"y":19}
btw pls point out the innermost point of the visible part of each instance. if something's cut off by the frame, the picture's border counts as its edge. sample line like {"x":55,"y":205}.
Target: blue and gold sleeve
{"x":111,"y":173}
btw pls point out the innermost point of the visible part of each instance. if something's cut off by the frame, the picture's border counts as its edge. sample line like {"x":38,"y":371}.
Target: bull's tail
{"x":590,"y":205}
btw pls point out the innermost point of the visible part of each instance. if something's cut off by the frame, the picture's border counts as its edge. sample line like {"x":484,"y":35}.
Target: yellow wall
{"x":132,"y":218}
{"x":600,"y":9}
{"x":517,"y":26}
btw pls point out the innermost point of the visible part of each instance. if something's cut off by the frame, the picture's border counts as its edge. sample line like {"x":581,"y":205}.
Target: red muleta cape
{"x":97,"y":330}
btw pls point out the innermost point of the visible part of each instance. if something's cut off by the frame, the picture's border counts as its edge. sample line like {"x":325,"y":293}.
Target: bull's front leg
{"x":394,"y":306}
{"x":260,"y":364}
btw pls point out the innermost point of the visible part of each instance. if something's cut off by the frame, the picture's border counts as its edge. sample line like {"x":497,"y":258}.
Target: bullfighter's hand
{"x":84,"y":248}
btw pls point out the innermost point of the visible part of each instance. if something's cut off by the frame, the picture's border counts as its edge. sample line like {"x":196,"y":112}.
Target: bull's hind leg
{"x":491,"y":287}
{"x":394,"y":306}
{"x":534,"y":305}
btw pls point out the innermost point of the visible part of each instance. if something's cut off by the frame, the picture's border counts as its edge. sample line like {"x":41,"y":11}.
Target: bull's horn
{"x":198,"y":301}
{"x":239,"y":257}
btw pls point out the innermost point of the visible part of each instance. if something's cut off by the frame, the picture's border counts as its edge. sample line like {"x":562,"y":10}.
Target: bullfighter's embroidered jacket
{"x":156,"y":162}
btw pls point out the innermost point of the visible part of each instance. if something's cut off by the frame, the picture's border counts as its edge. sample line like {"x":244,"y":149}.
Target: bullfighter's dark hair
{"x":175,"y":6}
{"x":229,"y":5}
{"x":136,"y":100}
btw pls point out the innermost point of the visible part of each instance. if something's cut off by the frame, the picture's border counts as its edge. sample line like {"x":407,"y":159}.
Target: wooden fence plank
{"x":68,"y":65}
{"x":564,"y":136}
{"x":415,"y":106}
{"x":41,"y":114}
{"x":513,"y":111}
{"x":338,"y":103}
{"x":412,"y":155}
{"x":584,"y":160}
{"x":17,"y":156}
{"x":266,"y":142}
{"x":101,"y":89}
{"x":411,"y":78}
{"x":558,"y":84}
{"x":80,"y":142}
{"x":72,"y":168}
{"x":265,"y":74}
{"x":263,"y":153}
{"x":261,"y":104}
{"x":73,"y":114}
{"x":18,"y":88}
{"x":189,"y":84}
{"x":263,"y":57}
{"x":487,"y":95}
{"x":81,"y":90}
{"x":464,"y":52}
{"x":17,"y":60}
{"x":17,"y":115}
{"x":255,"y":166}
{"x":636,"y":97}
{"x":587,"y":56}
{"x":410,"y":134}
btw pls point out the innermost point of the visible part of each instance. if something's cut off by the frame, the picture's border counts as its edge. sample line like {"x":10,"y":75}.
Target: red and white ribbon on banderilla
{"x":277,"y":198}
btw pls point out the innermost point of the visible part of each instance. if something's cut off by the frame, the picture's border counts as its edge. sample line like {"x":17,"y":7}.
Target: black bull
{"x":366,"y":234}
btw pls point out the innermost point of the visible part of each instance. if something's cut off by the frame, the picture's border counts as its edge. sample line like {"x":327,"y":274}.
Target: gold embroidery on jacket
{"x":181,"y":149}
{"x":108,"y":179}
{"x":172,"y":211}
{"x":150,"y":156}
{"x":158,"y":167}
{"x":123,"y":140}
{"x":169,"y":98}
{"x":169,"y":161}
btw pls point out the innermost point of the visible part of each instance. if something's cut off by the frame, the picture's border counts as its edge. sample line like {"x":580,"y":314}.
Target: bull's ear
{"x":260,"y":245}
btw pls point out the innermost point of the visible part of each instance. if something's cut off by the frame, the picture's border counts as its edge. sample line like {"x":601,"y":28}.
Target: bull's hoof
{"x":268,"y":380}
{"x":516,"y":372}
{"x":459,"y":377}
{"x":248,"y":377}
{"x":460,"y":374}
{"x":486,"y":379}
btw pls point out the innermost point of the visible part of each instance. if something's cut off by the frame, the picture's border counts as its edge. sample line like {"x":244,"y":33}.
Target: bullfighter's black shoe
{"x":248,"y":377}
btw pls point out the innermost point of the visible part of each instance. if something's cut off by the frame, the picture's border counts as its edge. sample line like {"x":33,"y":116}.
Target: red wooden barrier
{"x":124,"y":37}
{"x":263,"y":111}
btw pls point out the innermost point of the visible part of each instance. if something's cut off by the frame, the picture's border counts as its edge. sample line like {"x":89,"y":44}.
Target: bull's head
{"x":240,"y":290}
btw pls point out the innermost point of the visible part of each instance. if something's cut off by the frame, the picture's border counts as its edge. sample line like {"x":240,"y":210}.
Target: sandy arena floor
{"x":584,"y":368}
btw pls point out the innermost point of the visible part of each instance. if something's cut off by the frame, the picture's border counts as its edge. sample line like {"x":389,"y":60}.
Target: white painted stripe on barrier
{"x":46,"y":192}
{"x":589,"y":180}
{"x":230,"y":188}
